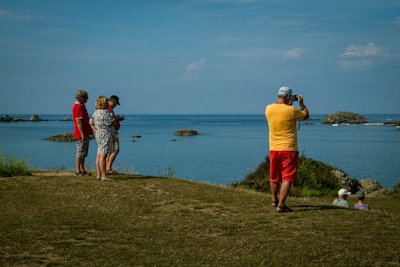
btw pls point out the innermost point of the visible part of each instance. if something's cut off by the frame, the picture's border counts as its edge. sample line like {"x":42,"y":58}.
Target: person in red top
{"x":82,"y":131}
{"x":113,"y":101}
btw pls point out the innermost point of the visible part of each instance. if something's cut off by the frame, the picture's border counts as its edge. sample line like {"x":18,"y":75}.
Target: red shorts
{"x":283,"y":166}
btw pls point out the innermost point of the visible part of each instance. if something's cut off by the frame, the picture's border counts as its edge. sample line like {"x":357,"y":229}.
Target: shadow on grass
{"x":124,"y":177}
{"x":297,"y":208}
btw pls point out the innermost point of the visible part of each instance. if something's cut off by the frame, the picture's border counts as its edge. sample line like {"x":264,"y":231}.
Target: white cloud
{"x":192,"y":69}
{"x":196,"y":66}
{"x":354,"y":50}
{"x":293,"y":53}
{"x":359,"y":57}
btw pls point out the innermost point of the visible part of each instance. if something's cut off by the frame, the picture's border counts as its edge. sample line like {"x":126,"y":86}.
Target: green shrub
{"x":314,"y":178}
{"x":10,"y":166}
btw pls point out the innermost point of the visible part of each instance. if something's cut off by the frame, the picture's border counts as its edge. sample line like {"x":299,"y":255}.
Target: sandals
{"x":84,"y":173}
{"x":111,"y":171}
{"x":283,"y":209}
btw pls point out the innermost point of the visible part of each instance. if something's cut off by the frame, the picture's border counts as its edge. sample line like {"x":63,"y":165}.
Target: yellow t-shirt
{"x":282,"y":126}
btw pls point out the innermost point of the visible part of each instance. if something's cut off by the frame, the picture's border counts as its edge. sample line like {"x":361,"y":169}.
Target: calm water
{"x":227,"y":149}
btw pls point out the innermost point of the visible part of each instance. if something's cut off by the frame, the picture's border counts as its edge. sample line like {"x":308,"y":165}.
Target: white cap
{"x":344,"y":192}
{"x":284,"y":91}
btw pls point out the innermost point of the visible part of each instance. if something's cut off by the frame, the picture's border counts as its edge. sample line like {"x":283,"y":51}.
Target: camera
{"x":295,"y":97}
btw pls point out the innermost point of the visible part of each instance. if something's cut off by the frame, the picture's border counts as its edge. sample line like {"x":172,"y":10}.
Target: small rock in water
{"x":186,"y":132}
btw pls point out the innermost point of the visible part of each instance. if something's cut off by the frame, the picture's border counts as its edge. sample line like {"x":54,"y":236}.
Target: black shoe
{"x":283,"y":209}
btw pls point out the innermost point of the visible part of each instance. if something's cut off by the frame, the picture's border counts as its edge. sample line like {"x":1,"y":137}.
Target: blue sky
{"x":200,"y":56}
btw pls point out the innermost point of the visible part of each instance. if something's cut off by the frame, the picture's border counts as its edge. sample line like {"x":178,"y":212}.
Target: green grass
{"x":58,"y":219}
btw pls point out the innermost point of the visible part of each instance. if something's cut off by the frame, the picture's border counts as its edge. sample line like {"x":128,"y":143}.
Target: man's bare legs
{"x":274,"y":191}
{"x":80,"y":165}
{"x":283,"y":190}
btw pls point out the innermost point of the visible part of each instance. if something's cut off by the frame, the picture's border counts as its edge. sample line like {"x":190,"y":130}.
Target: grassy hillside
{"x":314,"y":178}
{"x":59,"y":219}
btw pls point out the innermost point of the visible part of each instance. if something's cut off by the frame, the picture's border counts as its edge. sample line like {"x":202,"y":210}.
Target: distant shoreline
{"x":390,"y":120}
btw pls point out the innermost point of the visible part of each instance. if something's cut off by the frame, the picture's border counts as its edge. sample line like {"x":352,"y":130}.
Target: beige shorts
{"x":115,"y":139}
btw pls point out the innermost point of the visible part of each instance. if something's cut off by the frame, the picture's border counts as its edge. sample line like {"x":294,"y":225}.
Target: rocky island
{"x":8,"y":118}
{"x":186,"y":132}
{"x":65,"y":137}
{"x":343,"y":117}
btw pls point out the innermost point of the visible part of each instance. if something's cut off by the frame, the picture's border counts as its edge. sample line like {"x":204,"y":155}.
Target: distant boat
{"x":335,"y":124}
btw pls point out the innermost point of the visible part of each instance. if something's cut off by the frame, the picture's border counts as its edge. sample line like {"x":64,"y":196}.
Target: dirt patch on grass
{"x":54,"y":173}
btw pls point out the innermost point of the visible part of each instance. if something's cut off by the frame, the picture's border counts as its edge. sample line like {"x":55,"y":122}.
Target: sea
{"x":227,"y":148}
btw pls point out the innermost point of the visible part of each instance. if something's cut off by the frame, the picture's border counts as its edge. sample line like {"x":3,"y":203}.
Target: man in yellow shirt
{"x":283,"y":153}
